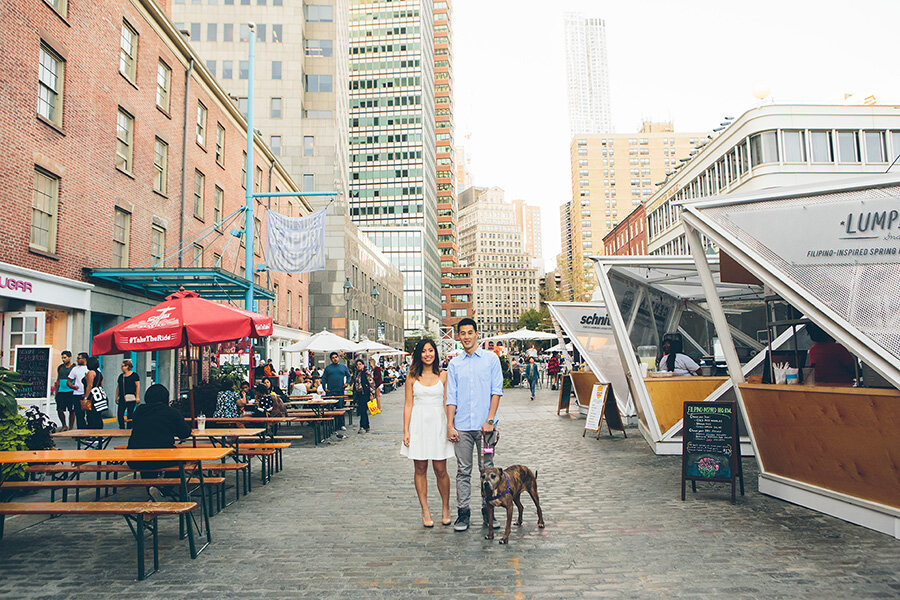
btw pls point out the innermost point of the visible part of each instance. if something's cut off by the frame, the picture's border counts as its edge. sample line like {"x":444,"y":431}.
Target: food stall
{"x":832,"y":253}
{"x":586,"y":325}
{"x":652,"y":297}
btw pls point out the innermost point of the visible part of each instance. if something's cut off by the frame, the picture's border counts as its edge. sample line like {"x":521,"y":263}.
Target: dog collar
{"x":508,"y":490}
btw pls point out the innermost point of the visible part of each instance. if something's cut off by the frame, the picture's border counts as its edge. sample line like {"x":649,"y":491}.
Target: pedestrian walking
{"x":335,"y":377}
{"x":65,"y":398}
{"x":378,"y":378}
{"x":425,"y":428}
{"x":93,"y":379}
{"x":474,"y":388}
{"x":128,"y":389}
{"x":531,"y":374}
{"x":76,"y":382}
{"x":553,"y":368}
{"x":363,"y":386}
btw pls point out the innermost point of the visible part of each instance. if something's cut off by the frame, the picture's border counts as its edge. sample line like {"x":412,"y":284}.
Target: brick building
{"x":630,"y":235}
{"x":120,"y":148}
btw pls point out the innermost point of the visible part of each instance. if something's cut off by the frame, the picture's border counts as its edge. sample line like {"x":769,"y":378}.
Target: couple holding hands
{"x":447,"y":414}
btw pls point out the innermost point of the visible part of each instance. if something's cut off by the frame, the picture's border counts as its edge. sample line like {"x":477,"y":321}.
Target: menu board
{"x":33,"y":367}
{"x":711,"y":448}
{"x":603,"y":406}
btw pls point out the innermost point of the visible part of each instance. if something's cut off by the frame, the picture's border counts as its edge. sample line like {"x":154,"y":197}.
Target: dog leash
{"x":508,"y":490}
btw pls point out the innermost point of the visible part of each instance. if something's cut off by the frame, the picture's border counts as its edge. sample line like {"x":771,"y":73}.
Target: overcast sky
{"x":692,"y":62}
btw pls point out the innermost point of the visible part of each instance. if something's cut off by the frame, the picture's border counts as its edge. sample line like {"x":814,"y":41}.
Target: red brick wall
{"x":629,"y":237}
{"x":83,"y":153}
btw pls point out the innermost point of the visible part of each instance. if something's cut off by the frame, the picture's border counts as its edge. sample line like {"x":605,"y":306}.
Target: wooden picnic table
{"x":179,"y":455}
{"x":94,"y":439}
{"x":227,"y":437}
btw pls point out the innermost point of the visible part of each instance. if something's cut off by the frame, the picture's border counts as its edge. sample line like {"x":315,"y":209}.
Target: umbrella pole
{"x":191,"y":384}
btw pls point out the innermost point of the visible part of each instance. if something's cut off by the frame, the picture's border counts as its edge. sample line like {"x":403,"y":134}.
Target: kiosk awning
{"x":212,"y":284}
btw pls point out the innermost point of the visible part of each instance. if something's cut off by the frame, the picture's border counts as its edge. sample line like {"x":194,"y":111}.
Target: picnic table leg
{"x":139,"y":535}
{"x":155,"y":544}
{"x":205,"y":515}
{"x":186,"y":518}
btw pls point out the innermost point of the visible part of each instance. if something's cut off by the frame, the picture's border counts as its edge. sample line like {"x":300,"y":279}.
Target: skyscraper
{"x":393,"y":168}
{"x":587,"y":77}
{"x":456,"y":280}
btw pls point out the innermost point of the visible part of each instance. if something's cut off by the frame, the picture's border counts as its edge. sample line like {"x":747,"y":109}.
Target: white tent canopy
{"x":523,"y":334}
{"x":324,"y":341}
{"x":373,"y":346}
{"x":560,"y":348}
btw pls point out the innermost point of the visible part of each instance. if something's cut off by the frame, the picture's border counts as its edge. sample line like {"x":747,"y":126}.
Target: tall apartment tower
{"x":528,"y":219}
{"x":504,"y":282}
{"x":393,"y":164}
{"x":587,"y":77}
{"x":456,"y":280}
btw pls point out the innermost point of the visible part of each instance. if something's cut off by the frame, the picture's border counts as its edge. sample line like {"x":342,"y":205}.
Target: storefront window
{"x":821,"y":147}
{"x":848,"y":146}
{"x":763,"y":148}
{"x":794,"y":146}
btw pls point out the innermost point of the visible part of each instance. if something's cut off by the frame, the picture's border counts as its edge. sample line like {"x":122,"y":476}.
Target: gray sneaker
{"x":484,"y":519}
{"x":156,"y":494}
{"x":462,"y":520}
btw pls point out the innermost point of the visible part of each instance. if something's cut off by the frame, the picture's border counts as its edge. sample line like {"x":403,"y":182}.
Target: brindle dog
{"x":502,"y":487}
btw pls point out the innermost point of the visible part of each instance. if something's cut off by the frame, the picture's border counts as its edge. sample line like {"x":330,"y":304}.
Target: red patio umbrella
{"x":184,"y":319}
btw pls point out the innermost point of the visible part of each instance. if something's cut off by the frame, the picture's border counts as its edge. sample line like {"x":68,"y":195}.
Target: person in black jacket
{"x":155,"y":424}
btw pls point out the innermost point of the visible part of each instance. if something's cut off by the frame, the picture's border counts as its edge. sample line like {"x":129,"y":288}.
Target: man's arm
{"x":450,"y":402}
{"x":496,"y":392}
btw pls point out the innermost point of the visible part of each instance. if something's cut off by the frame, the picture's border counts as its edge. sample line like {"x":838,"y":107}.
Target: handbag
{"x":99,"y":400}
{"x":373,"y":407}
{"x":130,"y":398}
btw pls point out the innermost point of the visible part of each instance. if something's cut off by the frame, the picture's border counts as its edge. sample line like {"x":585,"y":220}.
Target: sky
{"x":691,"y":62}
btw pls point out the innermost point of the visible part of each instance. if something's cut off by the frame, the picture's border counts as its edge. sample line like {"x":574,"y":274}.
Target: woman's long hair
{"x":418,"y":366}
{"x":675,"y":347}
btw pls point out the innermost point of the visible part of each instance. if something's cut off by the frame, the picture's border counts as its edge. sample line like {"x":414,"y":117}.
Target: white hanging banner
{"x":296,"y":244}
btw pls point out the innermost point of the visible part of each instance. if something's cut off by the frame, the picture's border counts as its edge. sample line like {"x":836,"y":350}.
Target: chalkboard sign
{"x":565,"y":394}
{"x":33,"y":367}
{"x":711,"y":448}
{"x":611,"y":414}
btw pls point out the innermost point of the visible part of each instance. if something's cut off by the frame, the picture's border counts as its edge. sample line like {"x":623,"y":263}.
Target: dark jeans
{"x":362,"y":409}
{"x":125,"y":408}
{"x":338,"y":421}
{"x":93,"y":418}
{"x":531,"y":384}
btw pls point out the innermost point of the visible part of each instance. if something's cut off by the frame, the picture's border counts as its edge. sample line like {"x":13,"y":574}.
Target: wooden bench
{"x":312,"y":420}
{"x":276,"y":446}
{"x":82,"y":484}
{"x":136,"y":515}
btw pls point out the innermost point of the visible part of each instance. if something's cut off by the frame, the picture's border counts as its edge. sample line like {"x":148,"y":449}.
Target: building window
{"x":317,"y":83}
{"x":876,"y":152}
{"x":157,"y":246}
{"x":211,"y":67}
{"x":308,"y":145}
{"x":319,"y":47}
{"x":794,"y":146}
{"x":218,"y":203}
{"x":821,"y":146}
{"x":257,"y":186}
{"x":763,"y":148}
{"x":275,"y":108}
{"x":276,"y":69}
{"x":257,"y":232}
{"x":60,"y":6}
{"x":160,"y":165}
{"x":275,"y":144}
{"x":220,"y":144}
{"x":309,"y":183}
{"x":212,"y":32}
{"x":290,"y":309}
{"x":227,"y":69}
{"x":261,"y":32}
{"x":50,"y":85}
{"x":201,"y":124}
{"x":163,"y":85}
{"x":195,"y":32}
{"x":197,"y":256}
{"x":848,"y":147}
{"x":276,"y":34}
{"x":243,"y":69}
{"x":128,"y":52}
{"x":228,"y":32}
{"x":318,"y":114}
{"x":244,"y":169}
{"x":243,"y":106}
{"x":44,"y":204}
{"x":319,"y":13}
{"x":244,"y":33}
{"x":124,"y":141}
{"x":199,"y":184}
{"x":121,"y":233}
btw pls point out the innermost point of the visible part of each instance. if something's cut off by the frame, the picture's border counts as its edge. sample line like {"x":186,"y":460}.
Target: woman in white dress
{"x":425,"y":427}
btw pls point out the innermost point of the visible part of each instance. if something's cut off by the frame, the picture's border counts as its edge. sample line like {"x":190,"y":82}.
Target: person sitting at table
{"x":675,"y":361}
{"x":230,"y":404}
{"x":832,"y":363}
{"x":299,"y":388}
{"x":155,"y":424}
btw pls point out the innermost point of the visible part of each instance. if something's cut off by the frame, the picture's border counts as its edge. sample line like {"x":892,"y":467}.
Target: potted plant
{"x":14,"y":432}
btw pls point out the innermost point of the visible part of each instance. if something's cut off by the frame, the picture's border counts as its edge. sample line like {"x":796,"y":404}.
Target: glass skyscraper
{"x":393,"y":188}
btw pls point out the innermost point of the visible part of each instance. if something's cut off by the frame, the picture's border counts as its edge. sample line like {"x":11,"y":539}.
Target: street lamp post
{"x":348,"y":291}
{"x":249,"y":235}
{"x":374,"y":295}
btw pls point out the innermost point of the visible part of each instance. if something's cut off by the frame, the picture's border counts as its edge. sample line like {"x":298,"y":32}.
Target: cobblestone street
{"x":342,"y":521}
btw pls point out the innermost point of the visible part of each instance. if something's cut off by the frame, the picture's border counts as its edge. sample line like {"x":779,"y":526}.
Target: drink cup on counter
{"x":201,"y":422}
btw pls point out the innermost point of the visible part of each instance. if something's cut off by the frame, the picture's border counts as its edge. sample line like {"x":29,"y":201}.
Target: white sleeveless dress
{"x":428,"y":425}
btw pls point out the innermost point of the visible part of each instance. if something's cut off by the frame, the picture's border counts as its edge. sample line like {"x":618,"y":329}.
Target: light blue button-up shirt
{"x":471,"y":381}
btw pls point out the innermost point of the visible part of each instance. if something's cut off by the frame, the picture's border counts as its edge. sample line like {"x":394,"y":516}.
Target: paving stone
{"x":342,"y":521}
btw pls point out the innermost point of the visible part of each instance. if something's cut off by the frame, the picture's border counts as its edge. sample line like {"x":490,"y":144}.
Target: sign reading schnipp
{"x":850,"y":232}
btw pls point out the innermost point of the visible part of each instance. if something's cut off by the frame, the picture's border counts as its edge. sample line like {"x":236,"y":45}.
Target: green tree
{"x":14,"y":432}
{"x":530,"y":319}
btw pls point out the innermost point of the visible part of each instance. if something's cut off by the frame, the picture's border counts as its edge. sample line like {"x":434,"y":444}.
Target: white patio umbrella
{"x":524,"y":334}
{"x":559,"y":347}
{"x":370,"y":346}
{"x":324,"y":341}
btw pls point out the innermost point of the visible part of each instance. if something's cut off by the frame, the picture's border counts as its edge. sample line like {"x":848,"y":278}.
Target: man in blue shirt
{"x":474,"y":387}
{"x":334,"y":378}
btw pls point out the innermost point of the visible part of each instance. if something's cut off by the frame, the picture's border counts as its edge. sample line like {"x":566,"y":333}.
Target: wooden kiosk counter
{"x":842,"y":439}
